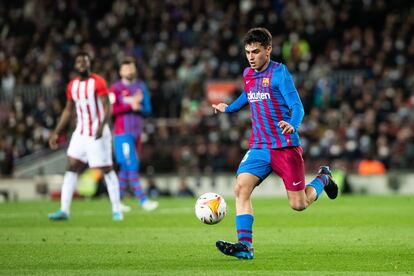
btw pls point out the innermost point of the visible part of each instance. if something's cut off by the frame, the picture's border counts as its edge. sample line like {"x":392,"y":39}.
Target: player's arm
{"x":142,"y":102}
{"x":146,"y":107}
{"x":238,"y":104}
{"x":103,"y":94}
{"x":118,"y":107}
{"x":63,"y":121}
{"x":107,"y":114}
{"x":291,"y":96}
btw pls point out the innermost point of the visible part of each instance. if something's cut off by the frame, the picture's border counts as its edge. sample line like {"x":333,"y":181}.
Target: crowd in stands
{"x":353,"y":63}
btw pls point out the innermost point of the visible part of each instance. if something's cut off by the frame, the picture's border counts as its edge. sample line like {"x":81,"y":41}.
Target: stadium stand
{"x":352,"y":61}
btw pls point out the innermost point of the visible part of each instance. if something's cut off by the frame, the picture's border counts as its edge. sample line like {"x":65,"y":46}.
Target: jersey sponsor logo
{"x":265,"y":82}
{"x":257,"y":96}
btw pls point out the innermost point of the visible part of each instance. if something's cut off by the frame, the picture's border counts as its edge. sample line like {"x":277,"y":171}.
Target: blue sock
{"x":244,"y":226}
{"x":136,"y":185}
{"x":318,"y":183}
{"x":123,"y":179}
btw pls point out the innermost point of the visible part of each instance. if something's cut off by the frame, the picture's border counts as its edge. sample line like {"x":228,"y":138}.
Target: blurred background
{"x":352,"y":62}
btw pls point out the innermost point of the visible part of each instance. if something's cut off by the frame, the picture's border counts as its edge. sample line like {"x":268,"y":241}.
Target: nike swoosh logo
{"x":296,"y":183}
{"x":247,"y":82}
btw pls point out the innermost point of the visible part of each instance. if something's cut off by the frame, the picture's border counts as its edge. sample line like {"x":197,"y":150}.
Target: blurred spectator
{"x":352,"y":60}
{"x":6,"y":157}
{"x":8,"y":82}
{"x":184,"y":190}
{"x":153,"y":191}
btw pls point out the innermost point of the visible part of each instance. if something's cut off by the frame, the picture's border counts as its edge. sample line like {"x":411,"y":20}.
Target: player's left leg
{"x":99,"y":154}
{"x":123,"y":182}
{"x":300,"y":200}
{"x":112,"y":186}
{"x":293,"y":174}
{"x":133,"y":171}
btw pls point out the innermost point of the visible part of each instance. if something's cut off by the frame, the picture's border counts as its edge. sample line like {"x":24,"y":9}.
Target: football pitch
{"x":354,"y":235}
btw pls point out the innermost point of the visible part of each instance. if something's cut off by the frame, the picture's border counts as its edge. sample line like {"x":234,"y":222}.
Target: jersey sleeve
{"x":101,"y":86}
{"x":69,"y":91}
{"x":291,"y":96}
{"x":118,"y":107}
{"x":146,"y":101}
{"x":238,"y":104}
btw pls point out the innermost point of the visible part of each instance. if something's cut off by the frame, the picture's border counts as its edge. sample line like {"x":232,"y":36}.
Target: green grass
{"x":351,"y":235}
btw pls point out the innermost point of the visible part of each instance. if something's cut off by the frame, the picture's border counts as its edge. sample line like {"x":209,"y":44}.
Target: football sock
{"x":136,"y":185}
{"x":68,"y":187}
{"x":123,"y":180}
{"x":244,"y":226}
{"x":112,"y":185}
{"x":318,"y":183}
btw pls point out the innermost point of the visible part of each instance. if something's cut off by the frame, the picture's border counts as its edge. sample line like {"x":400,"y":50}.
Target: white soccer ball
{"x":210,"y":208}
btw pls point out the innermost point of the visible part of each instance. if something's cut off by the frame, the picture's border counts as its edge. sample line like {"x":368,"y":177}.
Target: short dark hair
{"x":83,"y":54}
{"x":261,"y":35}
{"x":127,"y":61}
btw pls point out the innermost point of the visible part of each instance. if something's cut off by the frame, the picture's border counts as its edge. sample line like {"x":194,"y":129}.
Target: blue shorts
{"x":285,"y":162}
{"x":125,"y":151}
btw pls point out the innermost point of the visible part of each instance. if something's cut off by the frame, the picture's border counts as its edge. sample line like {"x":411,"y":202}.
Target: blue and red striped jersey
{"x":272,"y":97}
{"x":128,"y":121}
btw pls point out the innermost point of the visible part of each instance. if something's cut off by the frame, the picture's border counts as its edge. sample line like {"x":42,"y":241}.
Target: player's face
{"x":257,"y":55}
{"x":128,"y":71}
{"x":82,"y":64}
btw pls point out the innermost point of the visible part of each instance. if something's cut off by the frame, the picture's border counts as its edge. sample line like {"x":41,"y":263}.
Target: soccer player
{"x":130,"y":101}
{"x":91,"y":141}
{"x":277,"y":113}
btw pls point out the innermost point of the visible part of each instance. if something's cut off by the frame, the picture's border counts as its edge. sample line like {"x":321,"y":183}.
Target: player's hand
{"x":136,"y":101}
{"x":286,"y":127}
{"x":220,"y":107}
{"x":53,"y":137}
{"x":99,"y":132}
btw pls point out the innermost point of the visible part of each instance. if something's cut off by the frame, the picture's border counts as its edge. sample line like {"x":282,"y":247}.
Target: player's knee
{"x":239,"y":189}
{"x":129,"y":166}
{"x":298,"y":205}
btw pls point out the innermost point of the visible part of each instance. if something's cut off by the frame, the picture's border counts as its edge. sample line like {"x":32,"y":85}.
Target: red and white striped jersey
{"x":89,"y":108}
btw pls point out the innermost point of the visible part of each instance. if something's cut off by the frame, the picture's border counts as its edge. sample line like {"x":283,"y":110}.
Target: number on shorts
{"x":126,"y":150}
{"x":245,"y":156}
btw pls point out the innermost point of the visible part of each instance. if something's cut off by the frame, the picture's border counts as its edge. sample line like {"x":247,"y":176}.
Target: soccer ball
{"x":210,"y":208}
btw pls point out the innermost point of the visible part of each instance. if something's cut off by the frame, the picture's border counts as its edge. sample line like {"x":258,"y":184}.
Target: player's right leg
{"x":243,"y":249}
{"x":252,"y":170}
{"x":121,"y":159}
{"x":121,"y":154}
{"x":239,"y":250}
{"x":127,"y":157}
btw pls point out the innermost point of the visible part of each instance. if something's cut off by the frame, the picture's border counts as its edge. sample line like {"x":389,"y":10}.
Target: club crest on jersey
{"x":265,"y":82}
{"x":257,"y":96}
